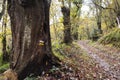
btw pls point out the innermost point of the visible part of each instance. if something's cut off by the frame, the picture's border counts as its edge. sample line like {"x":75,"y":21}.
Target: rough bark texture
{"x":31,"y":46}
{"x":67,"y":25}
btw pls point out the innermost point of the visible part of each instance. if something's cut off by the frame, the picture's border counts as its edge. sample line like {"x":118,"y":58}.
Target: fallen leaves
{"x":76,"y":64}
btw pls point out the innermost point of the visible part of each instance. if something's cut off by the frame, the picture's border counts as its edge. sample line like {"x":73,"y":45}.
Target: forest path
{"x":107,"y":58}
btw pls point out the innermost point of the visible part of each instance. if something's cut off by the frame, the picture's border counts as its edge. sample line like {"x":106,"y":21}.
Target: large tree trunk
{"x":30,"y":35}
{"x":67,"y":24}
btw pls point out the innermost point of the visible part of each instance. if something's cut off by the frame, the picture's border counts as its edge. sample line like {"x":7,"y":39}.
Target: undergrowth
{"x":82,"y":64}
{"x":1,"y":58}
{"x":4,"y":67}
{"x":63,"y":51}
{"x":76,"y":64}
{"x":112,"y":38}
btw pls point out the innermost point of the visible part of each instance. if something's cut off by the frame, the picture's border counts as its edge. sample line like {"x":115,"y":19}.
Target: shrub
{"x":111,"y":38}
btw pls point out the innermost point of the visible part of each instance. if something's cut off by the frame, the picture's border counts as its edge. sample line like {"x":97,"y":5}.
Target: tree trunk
{"x":75,"y":32}
{"x":99,"y":27}
{"x":118,"y":21}
{"x":75,"y":35}
{"x":4,"y":50}
{"x":67,"y":25}
{"x":4,"y":17}
{"x":98,"y":14}
{"x":76,"y":16}
{"x":99,"y":20}
{"x":31,"y":44}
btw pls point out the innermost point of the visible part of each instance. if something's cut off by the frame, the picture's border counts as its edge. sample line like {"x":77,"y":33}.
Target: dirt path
{"x":85,"y":61}
{"x":108,"y":61}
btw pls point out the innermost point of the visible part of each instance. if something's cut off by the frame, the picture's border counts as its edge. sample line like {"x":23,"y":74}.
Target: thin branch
{"x":102,"y":6}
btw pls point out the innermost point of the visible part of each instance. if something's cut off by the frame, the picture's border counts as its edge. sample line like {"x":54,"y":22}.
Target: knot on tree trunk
{"x":10,"y":75}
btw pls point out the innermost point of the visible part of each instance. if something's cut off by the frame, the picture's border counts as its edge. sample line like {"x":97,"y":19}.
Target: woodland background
{"x":85,"y":37}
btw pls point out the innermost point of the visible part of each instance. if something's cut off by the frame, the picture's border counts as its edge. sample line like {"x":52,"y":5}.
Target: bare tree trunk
{"x":31,"y":44}
{"x":99,"y":24}
{"x":75,"y":35}
{"x":118,"y":21}
{"x":67,"y":24}
{"x":4,"y":17}
{"x":117,"y":11}
{"x":77,"y":17}
{"x":4,"y":42}
{"x":98,"y":14}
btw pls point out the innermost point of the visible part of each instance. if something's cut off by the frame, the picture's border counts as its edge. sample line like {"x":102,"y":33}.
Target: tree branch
{"x":102,"y":6}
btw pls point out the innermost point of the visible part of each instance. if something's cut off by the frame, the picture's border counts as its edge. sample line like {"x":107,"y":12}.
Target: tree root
{"x":9,"y":75}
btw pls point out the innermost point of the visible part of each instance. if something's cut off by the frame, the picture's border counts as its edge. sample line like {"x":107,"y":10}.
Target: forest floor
{"x":107,"y":57}
{"x":86,"y":60}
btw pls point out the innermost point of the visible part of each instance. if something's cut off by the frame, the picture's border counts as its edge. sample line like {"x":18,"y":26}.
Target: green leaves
{"x":4,"y":67}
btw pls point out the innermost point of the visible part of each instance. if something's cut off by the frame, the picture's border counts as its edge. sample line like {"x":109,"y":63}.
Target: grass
{"x":4,"y":67}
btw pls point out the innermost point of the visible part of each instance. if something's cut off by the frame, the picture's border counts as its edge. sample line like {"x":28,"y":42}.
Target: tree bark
{"x":98,"y":14}
{"x":77,"y":13}
{"x":31,"y":44}
{"x":118,"y":21}
{"x":4,"y":41}
{"x":67,"y":24}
